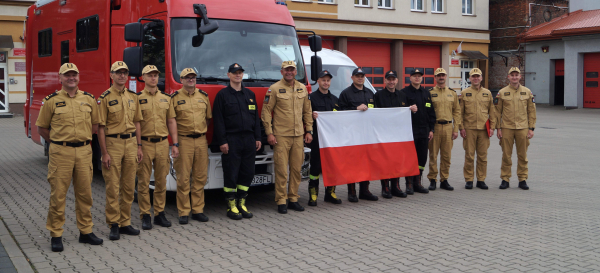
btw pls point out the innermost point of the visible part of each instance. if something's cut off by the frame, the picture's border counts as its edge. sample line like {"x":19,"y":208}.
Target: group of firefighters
{"x":133,"y":129}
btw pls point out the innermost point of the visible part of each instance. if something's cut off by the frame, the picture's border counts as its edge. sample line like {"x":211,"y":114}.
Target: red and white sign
{"x":366,"y":145}
{"x":19,"y":52}
{"x":454,"y":62}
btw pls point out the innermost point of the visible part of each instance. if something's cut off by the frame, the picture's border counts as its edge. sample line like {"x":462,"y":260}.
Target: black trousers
{"x":422,"y":146}
{"x":315,"y":158}
{"x":238,"y":164}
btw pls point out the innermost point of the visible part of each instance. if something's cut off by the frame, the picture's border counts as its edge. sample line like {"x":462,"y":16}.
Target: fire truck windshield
{"x":259,"y":48}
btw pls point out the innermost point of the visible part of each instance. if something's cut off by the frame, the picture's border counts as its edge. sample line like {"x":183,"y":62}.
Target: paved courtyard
{"x":553,"y":227}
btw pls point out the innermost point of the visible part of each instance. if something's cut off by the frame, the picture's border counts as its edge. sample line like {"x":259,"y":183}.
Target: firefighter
{"x":120,"y":141}
{"x":386,"y":98}
{"x":476,"y":108}
{"x":422,"y":126}
{"x":516,"y":122}
{"x":447,"y":109}
{"x":192,"y":113}
{"x":288,"y":100}
{"x":358,"y":97}
{"x":237,"y":133}
{"x":157,"y":112}
{"x":73,"y":116}
{"x":323,"y":100}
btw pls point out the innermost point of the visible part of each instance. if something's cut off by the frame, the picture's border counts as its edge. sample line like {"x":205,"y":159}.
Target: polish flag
{"x":366,"y":145}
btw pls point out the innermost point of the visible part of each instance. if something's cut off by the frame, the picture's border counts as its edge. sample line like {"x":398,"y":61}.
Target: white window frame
{"x":413,"y":3}
{"x":363,"y":5}
{"x":383,"y":6}
{"x":435,"y":8}
{"x":326,"y":1}
{"x":466,"y":8}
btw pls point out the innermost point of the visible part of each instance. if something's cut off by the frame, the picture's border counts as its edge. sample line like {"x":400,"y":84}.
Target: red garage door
{"x":591,"y":91}
{"x":424,"y":57}
{"x":373,"y":57}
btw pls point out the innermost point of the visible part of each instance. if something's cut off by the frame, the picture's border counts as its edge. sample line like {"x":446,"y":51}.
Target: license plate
{"x":261,"y":179}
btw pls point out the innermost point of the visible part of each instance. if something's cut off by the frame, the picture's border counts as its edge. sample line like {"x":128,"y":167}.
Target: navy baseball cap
{"x":325,"y":73}
{"x":416,"y":71}
{"x":391,"y":73}
{"x":235,"y":67}
{"x":357,"y":71}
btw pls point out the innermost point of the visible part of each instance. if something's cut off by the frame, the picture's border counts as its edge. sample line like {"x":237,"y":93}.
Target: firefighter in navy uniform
{"x":386,"y":98}
{"x":237,"y":133}
{"x":358,"y":97}
{"x":321,"y":100}
{"x":423,"y":122}
{"x":67,"y":120}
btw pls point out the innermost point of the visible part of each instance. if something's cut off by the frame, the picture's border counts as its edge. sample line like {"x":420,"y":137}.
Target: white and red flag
{"x":366,"y":145}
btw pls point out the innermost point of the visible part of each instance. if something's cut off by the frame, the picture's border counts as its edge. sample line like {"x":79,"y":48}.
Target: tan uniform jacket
{"x":516,"y":108}
{"x":476,"y":107}
{"x":119,"y":110}
{"x":445,"y":104}
{"x":156,"y":109}
{"x":291,"y":109}
{"x":191,"y":111}
{"x":70,"y":119}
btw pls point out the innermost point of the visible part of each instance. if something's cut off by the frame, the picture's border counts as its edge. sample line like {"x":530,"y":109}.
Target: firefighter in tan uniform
{"x":159,"y":120}
{"x":72,"y":115}
{"x":120,"y":142}
{"x":288,"y":100}
{"x":447,"y":109}
{"x":476,"y":108}
{"x":516,"y":122}
{"x":192,"y":113}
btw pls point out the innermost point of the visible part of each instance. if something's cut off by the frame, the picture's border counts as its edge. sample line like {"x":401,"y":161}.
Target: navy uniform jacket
{"x":235,"y":112}
{"x":351,"y":98}
{"x":387,"y":99}
{"x":424,"y":119}
{"x":322,"y":102}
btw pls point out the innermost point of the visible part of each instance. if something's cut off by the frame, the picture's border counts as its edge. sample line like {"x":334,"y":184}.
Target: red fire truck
{"x":206,"y":35}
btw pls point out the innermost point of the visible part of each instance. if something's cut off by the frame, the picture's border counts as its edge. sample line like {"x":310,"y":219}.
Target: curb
{"x":14,"y":251}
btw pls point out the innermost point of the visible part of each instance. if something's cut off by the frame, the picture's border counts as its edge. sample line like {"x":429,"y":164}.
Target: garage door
{"x":373,"y":58}
{"x":424,"y":57}
{"x":591,"y":91}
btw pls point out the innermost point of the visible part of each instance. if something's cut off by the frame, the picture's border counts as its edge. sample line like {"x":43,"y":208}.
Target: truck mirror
{"x":208,"y":28}
{"x":132,"y":56}
{"x":133,"y":32}
{"x":315,"y":43}
{"x":197,"y":40}
{"x":316,"y":67}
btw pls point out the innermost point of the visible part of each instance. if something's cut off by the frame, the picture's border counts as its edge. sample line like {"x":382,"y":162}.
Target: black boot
{"x":282,"y":209}
{"x":183,"y":220}
{"x":418,"y":187}
{"x":432,"y":184}
{"x":313,"y":190}
{"x":56,"y":244}
{"x":232,"y":210}
{"x":364,"y":192}
{"x":504,"y":185}
{"x":481,"y":185}
{"x":146,"y":222}
{"x":114,"y":232}
{"x":241,"y":204}
{"x":330,"y":196}
{"x":385,"y":189}
{"x":352,"y":193}
{"x":396,"y":190}
{"x":129,"y":230}
{"x":469,"y":185}
{"x":199,"y":217}
{"x":161,"y":220}
{"x":523,"y":185}
{"x":409,"y":185}
{"x":90,"y":238}
{"x":446,"y":186}
{"x":295,"y":206}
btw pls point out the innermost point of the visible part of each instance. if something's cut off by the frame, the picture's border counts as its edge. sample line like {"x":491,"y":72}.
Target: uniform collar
{"x":64,"y":92}
{"x":286,"y":83}
{"x":114,"y":89}
{"x":390,"y":92}
{"x":356,"y":89}
{"x":232,"y":90}
{"x":511,"y":87}
{"x":149,"y":93}
{"x":182,"y":90}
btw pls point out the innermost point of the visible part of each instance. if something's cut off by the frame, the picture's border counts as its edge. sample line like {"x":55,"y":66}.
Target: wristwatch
{"x":310,"y":132}
{"x":176,"y":144}
{"x":531,"y":129}
{"x":140,"y":144}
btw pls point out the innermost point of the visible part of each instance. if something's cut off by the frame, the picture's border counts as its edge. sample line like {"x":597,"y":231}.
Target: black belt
{"x":194,"y":136}
{"x":72,"y":144}
{"x":158,"y":139}
{"x":444,"y":122}
{"x":125,"y":136}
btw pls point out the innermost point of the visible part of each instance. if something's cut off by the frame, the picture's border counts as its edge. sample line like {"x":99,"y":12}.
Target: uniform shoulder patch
{"x":50,"y":96}
{"x":138,"y":93}
{"x":452,"y":89}
{"x":131,"y":91}
{"x":201,"y":91}
{"x":174,"y":94}
{"x":105,"y":94}
{"x":163,"y":92}
{"x":431,"y":88}
{"x":88,"y":94}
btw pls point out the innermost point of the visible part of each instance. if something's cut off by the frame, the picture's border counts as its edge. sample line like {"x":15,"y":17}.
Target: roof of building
{"x":575,"y":23}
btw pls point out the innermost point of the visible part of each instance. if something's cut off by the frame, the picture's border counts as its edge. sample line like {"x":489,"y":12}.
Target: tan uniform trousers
{"x":509,"y":137}
{"x":476,"y":141}
{"x":442,"y":144}
{"x":157,"y":154}
{"x":120,"y":179}
{"x":289,"y":150}
{"x":192,"y":160}
{"x":68,"y":163}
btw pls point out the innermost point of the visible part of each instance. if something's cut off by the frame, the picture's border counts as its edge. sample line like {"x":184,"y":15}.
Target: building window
{"x":416,"y":5}
{"x":45,"y":43}
{"x":362,"y":3}
{"x":386,"y":4}
{"x":326,"y":1}
{"x":88,"y":34}
{"x":437,"y":5}
{"x":467,"y":7}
